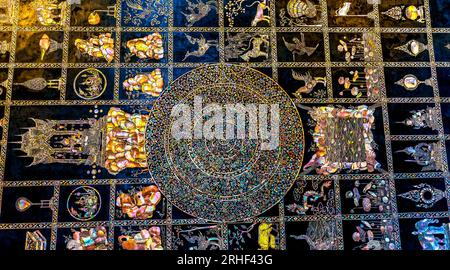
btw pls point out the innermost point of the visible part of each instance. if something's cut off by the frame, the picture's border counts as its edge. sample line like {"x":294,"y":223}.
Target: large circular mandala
{"x":216,"y":179}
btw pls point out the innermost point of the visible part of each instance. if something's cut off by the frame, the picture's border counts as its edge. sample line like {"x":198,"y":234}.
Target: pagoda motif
{"x":423,"y":118}
{"x":63,"y":141}
{"x":114,"y":142}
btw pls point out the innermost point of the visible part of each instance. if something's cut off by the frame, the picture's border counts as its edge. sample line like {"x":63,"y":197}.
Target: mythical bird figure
{"x":298,"y":47}
{"x":198,"y":11}
{"x":203,"y":46}
{"x":310,"y":82}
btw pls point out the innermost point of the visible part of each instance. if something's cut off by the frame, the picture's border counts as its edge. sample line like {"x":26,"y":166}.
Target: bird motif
{"x":310,"y":82}
{"x":203,"y":46}
{"x":298,"y":47}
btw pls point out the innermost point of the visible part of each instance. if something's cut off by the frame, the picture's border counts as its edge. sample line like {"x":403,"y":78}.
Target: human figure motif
{"x":256,"y":43}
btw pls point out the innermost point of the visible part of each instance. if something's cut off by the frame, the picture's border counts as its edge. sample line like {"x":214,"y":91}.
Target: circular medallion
{"x":224,"y":143}
{"x":90,"y":84}
{"x":84,"y":203}
{"x":410,"y":82}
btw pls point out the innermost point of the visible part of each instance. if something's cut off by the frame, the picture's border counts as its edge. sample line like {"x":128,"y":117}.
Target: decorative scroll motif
{"x":140,"y":11}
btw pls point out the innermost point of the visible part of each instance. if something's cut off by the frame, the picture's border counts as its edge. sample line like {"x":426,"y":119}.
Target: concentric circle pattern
{"x":224,"y":180}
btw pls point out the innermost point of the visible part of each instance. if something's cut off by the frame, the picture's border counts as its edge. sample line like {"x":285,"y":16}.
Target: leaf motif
{"x":367,"y":187}
{"x":367,"y":224}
